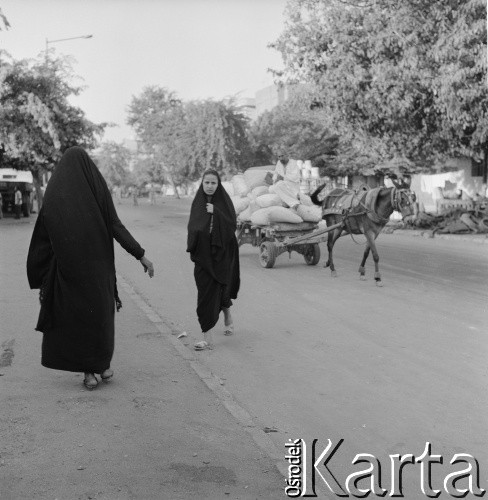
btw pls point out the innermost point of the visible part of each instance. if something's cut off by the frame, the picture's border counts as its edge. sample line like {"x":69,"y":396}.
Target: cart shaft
{"x":307,"y":237}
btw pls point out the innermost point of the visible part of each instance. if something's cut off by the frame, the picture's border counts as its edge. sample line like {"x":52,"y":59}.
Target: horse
{"x":365,"y":211}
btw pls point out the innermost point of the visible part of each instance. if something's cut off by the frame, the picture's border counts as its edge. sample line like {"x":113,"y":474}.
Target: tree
{"x":299,"y":129}
{"x":37,"y":122}
{"x":157,"y":117}
{"x":397,"y":80}
{"x":113,"y":161}
{"x":218,"y":133}
{"x":461,"y":83}
{"x":184,"y":139}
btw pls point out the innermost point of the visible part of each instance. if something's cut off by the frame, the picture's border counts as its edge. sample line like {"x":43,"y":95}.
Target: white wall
{"x":425,"y":185}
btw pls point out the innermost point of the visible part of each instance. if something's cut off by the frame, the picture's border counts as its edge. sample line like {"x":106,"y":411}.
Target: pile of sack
{"x":254,"y":203}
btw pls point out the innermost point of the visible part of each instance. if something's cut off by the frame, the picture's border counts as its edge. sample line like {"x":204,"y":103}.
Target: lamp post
{"x":63,"y":40}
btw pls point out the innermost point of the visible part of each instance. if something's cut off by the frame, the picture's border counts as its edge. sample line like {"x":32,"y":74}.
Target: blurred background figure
{"x":18,"y":202}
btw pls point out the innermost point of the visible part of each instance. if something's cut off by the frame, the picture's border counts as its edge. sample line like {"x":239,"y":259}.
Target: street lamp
{"x":63,"y":40}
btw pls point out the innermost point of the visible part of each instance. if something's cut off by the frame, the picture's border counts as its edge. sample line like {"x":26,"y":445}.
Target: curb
{"x":214,"y":383}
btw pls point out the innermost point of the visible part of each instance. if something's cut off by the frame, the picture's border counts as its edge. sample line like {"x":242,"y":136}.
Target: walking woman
{"x":71,"y":261}
{"x":214,"y":249}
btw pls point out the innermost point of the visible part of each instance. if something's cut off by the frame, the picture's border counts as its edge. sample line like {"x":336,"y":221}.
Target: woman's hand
{"x":147,"y":265}
{"x":210,"y":208}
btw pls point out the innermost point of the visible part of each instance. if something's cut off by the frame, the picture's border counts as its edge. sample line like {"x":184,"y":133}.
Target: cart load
{"x":254,"y":203}
{"x":265,"y":222}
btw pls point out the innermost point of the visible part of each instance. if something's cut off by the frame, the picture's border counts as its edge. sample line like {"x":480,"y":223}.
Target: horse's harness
{"x":358,"y":198}
{"x":396,"y":199}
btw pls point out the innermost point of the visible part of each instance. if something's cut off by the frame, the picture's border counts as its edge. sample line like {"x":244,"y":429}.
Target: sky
{"x":200,"y":49}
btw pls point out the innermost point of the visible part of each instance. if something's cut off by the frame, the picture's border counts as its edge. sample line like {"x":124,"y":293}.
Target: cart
{"x":278,"y":238}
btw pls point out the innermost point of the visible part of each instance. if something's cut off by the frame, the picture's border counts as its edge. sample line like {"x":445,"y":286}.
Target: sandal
{"x":107,"y":374}
{"x":201,"y":346}
{"x":229,"y":329}
{"x":90,"y":381}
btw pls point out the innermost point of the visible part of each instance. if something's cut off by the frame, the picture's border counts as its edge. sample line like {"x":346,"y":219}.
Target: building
{"x":270,"y":97}
{"x":247,"y":106}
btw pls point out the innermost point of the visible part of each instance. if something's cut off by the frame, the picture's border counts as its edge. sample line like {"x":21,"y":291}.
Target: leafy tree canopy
{"x":37,"y":122}
{"x":184,"y":139}
{"x":304,"y":132}
{"x":395,"y":79}
{"x":114,"y":161}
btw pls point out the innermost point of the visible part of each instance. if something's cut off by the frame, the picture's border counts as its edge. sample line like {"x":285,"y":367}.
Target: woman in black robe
{"x":214,"y":249}
{"x":71,"y":261}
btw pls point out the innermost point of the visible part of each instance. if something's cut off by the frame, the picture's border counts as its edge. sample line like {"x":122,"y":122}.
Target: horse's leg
{"x":333,"y":237}
{"x":362,"y":270}
{"x":329,"y":249}
{"x":371,"y":241}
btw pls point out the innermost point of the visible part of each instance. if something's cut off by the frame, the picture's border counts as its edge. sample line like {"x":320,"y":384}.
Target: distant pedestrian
{"x":18,"y":202}
{"x":214,"y":249}
{"x":71,"y":261}
{"x":1,"y":206}
{"x":135,"y":195}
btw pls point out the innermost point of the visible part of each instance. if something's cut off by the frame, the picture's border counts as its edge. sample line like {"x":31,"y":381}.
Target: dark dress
{"x":71,"y":260}
{"x":215,"y":254}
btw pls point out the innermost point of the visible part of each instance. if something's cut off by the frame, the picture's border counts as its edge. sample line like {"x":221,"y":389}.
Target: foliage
{"x":157,"y":116}
{"x":218,"y":138}
{"x":147,"y":169}
{"x":114,"y":161}
{"x":37,"y":122}
{"x":461,"y":82}
{"x":395,"y":79}
{"x":302,"y":131}
{"x":181,"y":140}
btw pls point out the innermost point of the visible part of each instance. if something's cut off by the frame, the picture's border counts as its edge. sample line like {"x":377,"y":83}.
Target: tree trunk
{"x":37,"y":186}
{"x":485,"y":166}
{"x":171,"y":181}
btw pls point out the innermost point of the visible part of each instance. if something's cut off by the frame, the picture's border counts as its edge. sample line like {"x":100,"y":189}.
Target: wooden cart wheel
{"x":312,"y":254}
{"x":267,"y":254}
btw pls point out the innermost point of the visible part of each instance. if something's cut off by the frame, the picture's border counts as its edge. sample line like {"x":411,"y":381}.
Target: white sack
{"x":245,"y":215}
{"x":306,"y":200}
{"x":255,"y":178}
{"x":240,"y":204}
{"x":310,"y":213}
{"x":259,"y":191}
{"x":268,"y":200}
{"x":240,"y":186}
{"x":266,"y":216}
{"x":228,"y":186}
{"x":282,"y":214}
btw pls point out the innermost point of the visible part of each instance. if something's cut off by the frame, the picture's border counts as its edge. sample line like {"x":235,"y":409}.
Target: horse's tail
{"x":314,"y":195}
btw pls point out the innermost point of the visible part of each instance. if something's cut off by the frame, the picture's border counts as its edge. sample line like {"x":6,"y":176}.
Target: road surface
{"x":386,"y":370}
{"x":314,"y":357}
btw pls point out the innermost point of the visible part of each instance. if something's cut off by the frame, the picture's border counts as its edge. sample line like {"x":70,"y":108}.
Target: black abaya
{"x":71,"y":259}
{"x":215,"y":254}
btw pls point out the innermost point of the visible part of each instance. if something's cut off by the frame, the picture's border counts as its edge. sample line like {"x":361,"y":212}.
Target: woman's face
{"x":210,"y":184}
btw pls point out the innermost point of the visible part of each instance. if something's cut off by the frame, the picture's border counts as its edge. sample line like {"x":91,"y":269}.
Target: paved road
{"x":386,"y":369}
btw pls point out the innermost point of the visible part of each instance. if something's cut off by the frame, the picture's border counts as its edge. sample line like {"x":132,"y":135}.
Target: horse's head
{"x":403,"y":201}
